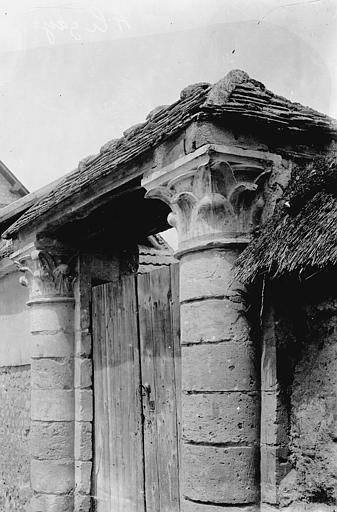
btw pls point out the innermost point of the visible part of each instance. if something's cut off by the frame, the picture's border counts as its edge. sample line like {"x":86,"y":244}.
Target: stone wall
{"x":299,"y":399}
{"x":313,"y":431}
{"x":14,"y":320}
{"x":14,"y":438}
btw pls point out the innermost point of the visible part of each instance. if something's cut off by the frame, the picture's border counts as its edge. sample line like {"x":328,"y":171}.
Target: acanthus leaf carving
{"x":221,"y":198}
{"x":46,"y":274}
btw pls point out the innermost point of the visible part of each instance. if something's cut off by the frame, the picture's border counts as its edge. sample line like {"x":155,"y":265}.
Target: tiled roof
{"x":150,"y":259}
{"x":236,"y":94}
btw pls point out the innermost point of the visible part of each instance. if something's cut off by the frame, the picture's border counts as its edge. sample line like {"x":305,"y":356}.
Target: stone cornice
{"x":216,"y":194}
{"x":202,"y":156}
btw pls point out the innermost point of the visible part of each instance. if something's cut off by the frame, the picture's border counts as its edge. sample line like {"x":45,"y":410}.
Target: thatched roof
{"x":301,"y":236}
{"x":236,"y":96}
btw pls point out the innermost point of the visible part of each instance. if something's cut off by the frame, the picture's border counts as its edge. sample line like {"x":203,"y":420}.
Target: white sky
{"x":75,"y":74}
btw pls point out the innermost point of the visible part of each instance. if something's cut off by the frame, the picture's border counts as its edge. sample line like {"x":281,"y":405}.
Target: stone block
{"x":212,"y":320}
{"x":82,"y":503}
{"x":52,"y":405}
{"x":269,"y":380}
{"x":60,"y":344}
{"x":190,"y":506}
{"x":83,"y":343}
{"x":52,"y":440}
{"x":83,"y":477}
{"x":53,"y":373}
{"x":84,"y":404}
{"x":274,"y":467}
{"x":221,"y":418}
{"x":83,"y":372}
{"x":52,"y":503}
{"x":83,"y":440}
{"x":52,"y":477}
{"x":269,"y":425}
{"x":52,"y":317}
{"x":225,"y":366}
{"x":220,"y":475}
{"x":14,"y":437}
{"x":207,"y":274}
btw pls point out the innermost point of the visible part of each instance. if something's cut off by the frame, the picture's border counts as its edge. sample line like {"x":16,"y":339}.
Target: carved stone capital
{"x":216,"y":194}
{"x":48,"y":275}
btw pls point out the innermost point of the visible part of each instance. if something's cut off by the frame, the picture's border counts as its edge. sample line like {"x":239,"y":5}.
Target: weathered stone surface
{"x":288,"y":489}
{"x":313,"y":432}
{"x":275,"y":419}
{"x":82,"y":343}
{"x":83,"y":477}
{"x":207,"y":274}
{"x":155,"y":111}
{"x":52,"y":503}
{"x":299,"y":507}
{"x":222,"y":320}
{"x":221,"y":418}
{"x":52,"y":440}
{"x":83,"y":440}
{"x":84,"y":404}
{"x":224,"y":367}
{"x":220,"y":475}
{"x":274,"y":466}
{"x":52,"y":373}
{"x":221,"y":91}
{"x":82,"y":503}
{"x":190,"y":89}
{"x":52,"y":477}
{"x":83,"y":372}
{"x":52,"y":317}
{"x":190,"y":506}
{"x":58,"y":344}
{"x":130,"y":131}
{"x":85,"y":162}
{"x":108,"y":146}
{"x":14,"y":437}
{"x":53,"y":405}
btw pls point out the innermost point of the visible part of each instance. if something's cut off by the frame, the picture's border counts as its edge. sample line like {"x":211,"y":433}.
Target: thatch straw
{"x":301,"y":236}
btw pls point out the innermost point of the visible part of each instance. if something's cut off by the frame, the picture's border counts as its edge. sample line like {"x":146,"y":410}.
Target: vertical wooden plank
{"x":101,"y":471}
{"x":117,"y":400}
{"x":113,"y":327}
{"x":160,"y":408}
{"x":96,"y":357}
{"x":147,"y":349}
{"x":131,"y":433}
{"x":175,"y":323}
{"x":166,"y":404}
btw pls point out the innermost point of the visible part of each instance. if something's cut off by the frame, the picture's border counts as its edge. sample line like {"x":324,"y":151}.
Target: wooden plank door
{"x":118,"y":438}
{"x":160,"y":351}
{"x":136,"y":352}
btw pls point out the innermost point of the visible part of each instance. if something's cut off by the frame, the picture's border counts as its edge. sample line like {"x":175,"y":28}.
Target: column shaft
{"x":221,"y":401}
{"x":217,"y":197}
{"x":52,"y":404}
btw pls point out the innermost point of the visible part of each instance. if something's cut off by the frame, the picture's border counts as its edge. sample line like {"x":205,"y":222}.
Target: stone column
{"x":216,"y":198}
{"x":50,"y":280}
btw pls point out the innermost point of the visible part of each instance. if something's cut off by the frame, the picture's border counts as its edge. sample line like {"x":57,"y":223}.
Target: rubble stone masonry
{"x":14,"y":438}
